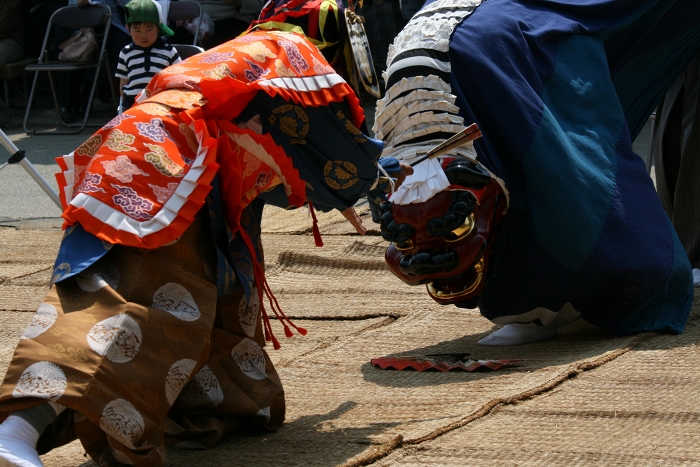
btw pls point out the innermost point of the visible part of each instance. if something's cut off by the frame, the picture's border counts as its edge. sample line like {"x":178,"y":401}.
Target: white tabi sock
{"x":519,"y":334}
{"x":512,"y":334}
{"x":18,"y":440}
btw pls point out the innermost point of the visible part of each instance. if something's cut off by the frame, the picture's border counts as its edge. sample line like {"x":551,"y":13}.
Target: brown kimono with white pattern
{"x":144,"y":354}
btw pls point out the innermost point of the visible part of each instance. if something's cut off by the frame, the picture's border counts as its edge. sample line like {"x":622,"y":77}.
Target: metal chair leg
{"x":7,"y":95}
{"x":29,"y":104}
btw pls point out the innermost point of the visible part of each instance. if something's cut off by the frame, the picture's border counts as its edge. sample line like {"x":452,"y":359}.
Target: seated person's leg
{"x":10,"y":51}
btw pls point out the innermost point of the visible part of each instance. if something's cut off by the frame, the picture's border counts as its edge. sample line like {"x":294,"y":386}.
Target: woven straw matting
{"x":298,"y":221}
{"x":640,"y":409}
{"x":583,"y":398}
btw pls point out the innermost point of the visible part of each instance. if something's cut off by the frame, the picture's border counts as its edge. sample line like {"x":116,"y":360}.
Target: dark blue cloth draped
{"x":559,"y":90}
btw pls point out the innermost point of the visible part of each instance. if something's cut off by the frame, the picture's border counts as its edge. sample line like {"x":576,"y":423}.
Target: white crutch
{"x":18,"y":157}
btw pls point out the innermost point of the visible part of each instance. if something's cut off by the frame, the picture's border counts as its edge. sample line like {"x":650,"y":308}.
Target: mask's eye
{"x":467,"y":174}
{"x":462,"y":231}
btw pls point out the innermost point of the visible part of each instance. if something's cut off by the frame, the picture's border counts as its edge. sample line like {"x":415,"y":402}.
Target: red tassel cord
{"x":269,"y":335}
{"x":284,"y":319}
{"x":264,"y":287}
{"x":314,"y":227}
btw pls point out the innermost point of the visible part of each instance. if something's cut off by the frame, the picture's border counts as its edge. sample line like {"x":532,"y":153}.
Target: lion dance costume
{"x":549,"y":213}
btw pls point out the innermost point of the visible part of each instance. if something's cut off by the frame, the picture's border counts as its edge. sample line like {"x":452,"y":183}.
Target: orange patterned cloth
{"x":141,"y":178}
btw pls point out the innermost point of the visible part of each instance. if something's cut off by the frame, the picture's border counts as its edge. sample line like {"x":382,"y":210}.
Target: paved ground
{"x":22,"y":202}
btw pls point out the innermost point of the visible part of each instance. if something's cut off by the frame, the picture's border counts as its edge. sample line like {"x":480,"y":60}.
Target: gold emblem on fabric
{"x":84,"y":318}
{"x":153,"y":108}
{"x":175,"y":70}
{"x":219,"y":72}
{"x":149,"y":397}
{"x":261,"y":392}
{"x":183,"y":251}
{"x":165,"y":355}
{"x":140,"y":369}
{"x":340,"y":175}
{"x":170,"y":331}
{"x":118,"y":141}
{"x":73,"y":354}
{"x":292,"y":121}
{"x":62,"y":331}
{"x":283,"y":71}
{"x":90,"y":147}
{"x":258,"y":51}
{"x":160,"y":160}
{"x":350,"y":128}
{"x":178,"y":98}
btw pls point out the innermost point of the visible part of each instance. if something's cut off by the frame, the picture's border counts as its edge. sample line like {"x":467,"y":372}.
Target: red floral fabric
{"x":141,"y":178}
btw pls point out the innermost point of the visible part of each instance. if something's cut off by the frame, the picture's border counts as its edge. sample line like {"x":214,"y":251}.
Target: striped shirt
{"x":138,"y":65}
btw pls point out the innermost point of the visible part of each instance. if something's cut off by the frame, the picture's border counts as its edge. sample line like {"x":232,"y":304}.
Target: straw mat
{"x":640,"y":409}
{"x":580,"y":399}
{"x":299,"y":221}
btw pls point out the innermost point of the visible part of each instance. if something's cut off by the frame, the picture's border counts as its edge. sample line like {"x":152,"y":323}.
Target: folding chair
{"x":187,"y":50}
{"x":98,"y":17}
{"x":184,"y":10}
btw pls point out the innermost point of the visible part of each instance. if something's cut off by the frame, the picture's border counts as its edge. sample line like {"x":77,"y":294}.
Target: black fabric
{"x":40,"y":416}
{"x":339,"y":170}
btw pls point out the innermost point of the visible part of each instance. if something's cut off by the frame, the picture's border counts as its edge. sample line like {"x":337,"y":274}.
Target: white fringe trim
{"x":415,"y":101}
{"x":430,"y":82}
{"x":305,"y":83}
{"x":424,"y":120}
{"x":430,"y":30}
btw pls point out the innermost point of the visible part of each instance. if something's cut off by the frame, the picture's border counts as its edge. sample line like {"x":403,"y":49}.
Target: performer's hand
{"x":390,"y":166}
{"x":351,"y":215}
{"x":406,"y":170}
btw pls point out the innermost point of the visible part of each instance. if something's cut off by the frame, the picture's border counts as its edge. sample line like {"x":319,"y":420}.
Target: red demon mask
{"x":445,"y":242}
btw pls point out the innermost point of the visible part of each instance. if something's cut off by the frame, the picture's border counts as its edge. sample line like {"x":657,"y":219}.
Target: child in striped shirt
{"x":148,"y":53}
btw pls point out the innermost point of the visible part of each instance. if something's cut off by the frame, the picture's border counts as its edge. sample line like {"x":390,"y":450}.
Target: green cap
{"x":146,"y":11}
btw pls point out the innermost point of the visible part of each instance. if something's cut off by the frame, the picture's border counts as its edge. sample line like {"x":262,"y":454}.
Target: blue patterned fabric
{"x":559,"y":90}
{"x":77,"y":252}
{"x":234,"y":265}
{"x":336,"y":160}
